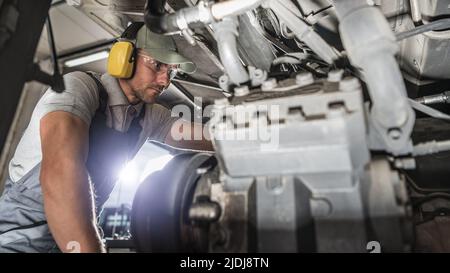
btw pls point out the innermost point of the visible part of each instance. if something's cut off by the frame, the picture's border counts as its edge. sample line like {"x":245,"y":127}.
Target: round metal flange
{"x":161,"y":204}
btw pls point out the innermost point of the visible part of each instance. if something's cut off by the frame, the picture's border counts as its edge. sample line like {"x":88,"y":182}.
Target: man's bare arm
{"x":68,"y":198}
{"x":187,"y":135}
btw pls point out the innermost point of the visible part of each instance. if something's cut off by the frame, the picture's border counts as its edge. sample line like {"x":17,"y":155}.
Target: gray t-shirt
{"x":81,"y":98}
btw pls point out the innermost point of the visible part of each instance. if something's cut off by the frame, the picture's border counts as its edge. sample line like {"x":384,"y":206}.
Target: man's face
{"x":150,"y":78}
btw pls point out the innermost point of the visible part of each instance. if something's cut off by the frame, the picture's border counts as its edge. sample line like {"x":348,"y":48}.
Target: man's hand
{"x":67,"y":193}
{"x":187,"y":135}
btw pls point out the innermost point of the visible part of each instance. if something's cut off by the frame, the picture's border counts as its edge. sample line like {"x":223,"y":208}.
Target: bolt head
{"x":349,"y":84}
{"x":269,"y":85}
{"x":335,"y":75}
{"x":257,"y":73}
{"x":223,"y":79}
{"x":394,"y":133}
{"x":221,"y":102}
{"x":241,"y":91}
{"x":304,"y":79}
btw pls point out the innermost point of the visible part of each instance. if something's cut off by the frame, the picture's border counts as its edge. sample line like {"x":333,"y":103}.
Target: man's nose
{"x":163,"y":78}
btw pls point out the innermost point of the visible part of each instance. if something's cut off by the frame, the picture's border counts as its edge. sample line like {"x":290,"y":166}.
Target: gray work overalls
{"x":23,"y":225}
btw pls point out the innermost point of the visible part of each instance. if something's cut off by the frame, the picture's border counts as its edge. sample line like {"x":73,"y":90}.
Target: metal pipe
{"x":440,"y":24}
{"x":226,"y":33}
{"x":431,"y":147}
{"x":199,"y":15}
{"x":428,"y":110}
{"x":57,"y":82}
{"x":371,"y":46}
{"x":435,"y":99}
{"x":232,"y":7}
{"x":303,"y":31}
{"x":154,"y":12}
{"x":415,"y":11}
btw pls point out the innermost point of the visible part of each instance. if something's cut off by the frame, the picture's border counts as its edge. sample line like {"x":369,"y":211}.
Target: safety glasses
{"x":158,"y":67}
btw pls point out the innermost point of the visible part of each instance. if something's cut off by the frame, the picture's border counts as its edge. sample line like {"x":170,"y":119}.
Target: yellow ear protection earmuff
{"x":122,"y":56}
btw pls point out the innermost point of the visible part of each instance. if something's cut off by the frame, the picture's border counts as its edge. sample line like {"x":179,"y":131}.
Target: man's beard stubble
{"x":149,"y":93}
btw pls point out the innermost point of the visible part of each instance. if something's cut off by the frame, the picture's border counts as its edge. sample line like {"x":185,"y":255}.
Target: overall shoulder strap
{"x":103,"y":95}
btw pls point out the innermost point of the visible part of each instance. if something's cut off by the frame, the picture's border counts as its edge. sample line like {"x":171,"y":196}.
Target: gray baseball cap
{"x":163,"y":49}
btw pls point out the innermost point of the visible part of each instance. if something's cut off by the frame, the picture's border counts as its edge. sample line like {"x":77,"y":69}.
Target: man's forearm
{"x":69,"y":206}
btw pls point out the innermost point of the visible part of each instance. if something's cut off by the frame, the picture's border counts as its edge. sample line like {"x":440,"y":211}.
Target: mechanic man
{"x":68,"y":159}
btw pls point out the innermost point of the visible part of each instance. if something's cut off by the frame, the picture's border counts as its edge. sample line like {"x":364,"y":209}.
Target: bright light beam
{"x":131,"y":173}
{"x":154,"y":165}
{"x":87,"y":59}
